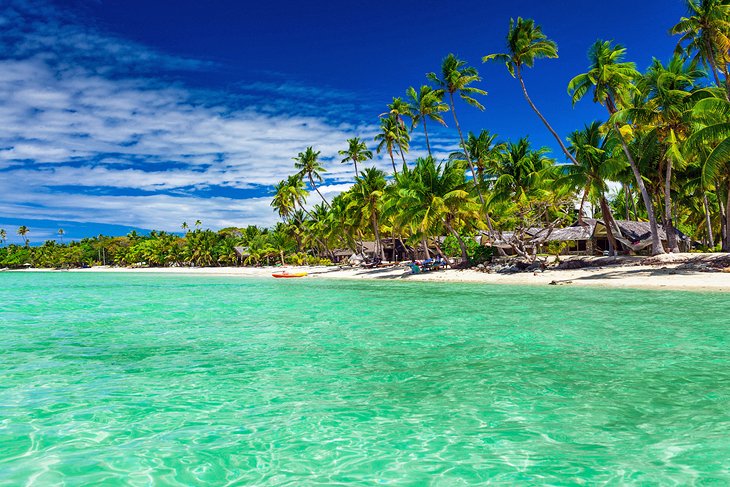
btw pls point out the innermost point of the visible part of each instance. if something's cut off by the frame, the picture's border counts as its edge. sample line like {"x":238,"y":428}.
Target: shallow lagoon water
{"x":127,"y":379}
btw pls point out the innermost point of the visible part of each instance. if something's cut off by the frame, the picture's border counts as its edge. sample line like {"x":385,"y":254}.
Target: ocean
{"x":130,"y":379}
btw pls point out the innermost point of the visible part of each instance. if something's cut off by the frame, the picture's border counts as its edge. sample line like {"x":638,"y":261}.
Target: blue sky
{"x":120,"y":114}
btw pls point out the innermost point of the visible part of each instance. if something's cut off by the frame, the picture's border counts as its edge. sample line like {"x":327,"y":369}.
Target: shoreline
{"x":668,"y":273}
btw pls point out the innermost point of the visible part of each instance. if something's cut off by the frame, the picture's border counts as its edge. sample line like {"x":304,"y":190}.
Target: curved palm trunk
{"x":424,"y":242}
{"x":392,"y":161}
{"x":473,"y":172}
{"x":356,"y":171}
{"x":668,"y":225}
{"x":582,"y":205}
{"x":311,"y":181}
{"x":544,"y":121}
{"x":462,"y":245}
{"x":708,"y":221}
{"x":656,"y":244}
{"x":610,"y":225}
{"x":425,"y":132}
{"x":713,"y":67}
{"x":626,"y":200}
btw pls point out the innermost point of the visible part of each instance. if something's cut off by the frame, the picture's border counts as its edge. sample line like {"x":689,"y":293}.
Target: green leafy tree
{"x":426,"y":104}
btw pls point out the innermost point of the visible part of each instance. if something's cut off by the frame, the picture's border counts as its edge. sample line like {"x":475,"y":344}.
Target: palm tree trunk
{"x":668,"y":226}
{"x":462,"y":245}
{"x":610,"y":225}
{"x":656,"y":244}
{"x":582,"y":204}
{"x":633,"y":204}
{"x":378,"y":243}
{"x":392,"y":161}
{"x":473,"y":172}
{"x":626,"y":200}
{"x":424,"y":242}
{"x":356,"y":171}
{"x":544,"y":121}
{"x":708,"y":221}
{"x":402,"y":156}
{"x":425,"y":132}
{"x":713,"y":67}
{"x":311,"y":181}
{"x":726,"y":242}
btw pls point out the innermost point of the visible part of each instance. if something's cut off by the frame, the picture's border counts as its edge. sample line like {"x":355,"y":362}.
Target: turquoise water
{"x":169,"y":380}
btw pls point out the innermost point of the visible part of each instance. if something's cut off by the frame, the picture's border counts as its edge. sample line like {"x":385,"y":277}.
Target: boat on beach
{"x":285,"y":274}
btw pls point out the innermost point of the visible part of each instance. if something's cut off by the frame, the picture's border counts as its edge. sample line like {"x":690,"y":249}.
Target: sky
{"x":128,"y":114}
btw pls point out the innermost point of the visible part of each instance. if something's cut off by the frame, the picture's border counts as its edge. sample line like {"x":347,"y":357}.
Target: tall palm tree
{"x":706,"y":31}
{"x":308,"y":164}
{"x":23,"y":231}
{"x":666,"y":108}
{"x":525,"y":43}
{"x":426,"y":103}
{"x":368,"y":197}
{"x":612,"y":81}
{"x":457,"y":77}
{"x":713,"y":140}
{"x":398,"y":109}
{"x":61,"y":233}
{"x":3,"y":235}
{"x":391,"y":134}
{"x":356,"y":151}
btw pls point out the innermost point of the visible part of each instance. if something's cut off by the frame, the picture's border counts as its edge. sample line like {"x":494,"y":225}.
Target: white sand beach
{"x":696,"y":272}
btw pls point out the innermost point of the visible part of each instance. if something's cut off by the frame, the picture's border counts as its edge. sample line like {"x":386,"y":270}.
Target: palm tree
{"x":23,"y":231}
{"x":596,"y":166}
{"x":399,"y":109}
{"x":368,"y":197}
{"x":3,"y":235}
{"x":185,"y":227}
{"x":706,"y":31}
{"x":308,"y":164}
{"x":484,"y":150}
{"x":427,"y":103}
{"x":525,"y":43}
{"x":456,"y":77}
{"x":436,"y":196}
{"x":283,"y":201}
{"x":666,"y":109}
{"x":612,"y":82}
{"x":356,"y":151}
{"x":391,"y":134}
{"x":61,"y":233}
{"x":713,"y":140}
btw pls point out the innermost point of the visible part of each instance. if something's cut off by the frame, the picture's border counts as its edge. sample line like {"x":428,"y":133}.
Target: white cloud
{"x":71,"y":121}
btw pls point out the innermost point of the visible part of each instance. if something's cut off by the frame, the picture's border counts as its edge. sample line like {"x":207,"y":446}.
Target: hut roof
{"x":242,"y":251}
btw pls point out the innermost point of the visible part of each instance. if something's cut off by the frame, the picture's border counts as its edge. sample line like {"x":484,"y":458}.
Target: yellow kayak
{"x":285,"y":274}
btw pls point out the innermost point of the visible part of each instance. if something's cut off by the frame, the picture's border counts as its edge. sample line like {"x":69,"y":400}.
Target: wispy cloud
{"x":82,"y":110}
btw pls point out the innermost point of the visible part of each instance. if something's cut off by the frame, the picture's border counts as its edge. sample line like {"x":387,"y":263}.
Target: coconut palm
{"x":61,"y":233}
{"x":712,"y":140}
{"x":367,"y":195}
{"x":398,"y":109}
{"x":436,"y":196}
{"x":23,"y":231}
{"x":612,"y":82}
{"x":356,"y":151}
{"x":3,"y":235}
{"x":457,"y":77}
{"x":596,"y":166}
{"x":391,"y":134}
{"x":706,"y":33}
{"x":426,"y":103}
{"x":666,"y":109}
{"x":308,"y":165}
{"x":484,"y":150}
{"x":525,"y":43}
